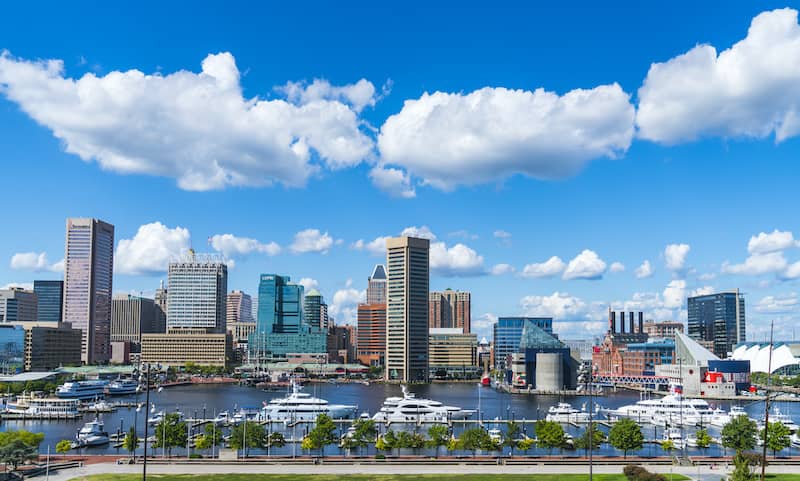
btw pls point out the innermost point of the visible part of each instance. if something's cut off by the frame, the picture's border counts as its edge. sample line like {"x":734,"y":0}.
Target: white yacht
{"x":776,"y":416}
{"x":674,"y":435}
{"x":123,"y":387}
{"x":409,"y":409}
{"x":92,"y":434}
{"x":720,"y":418}
{"x":495,"y":435}
{"x":300,"y":406}
{"x":43,"y":407}
{"x":82,"y":389}
{"x":673,"y":408}
{"x":565,"y":413}
{"x":245,"y":414}
{"x":223,"y":418}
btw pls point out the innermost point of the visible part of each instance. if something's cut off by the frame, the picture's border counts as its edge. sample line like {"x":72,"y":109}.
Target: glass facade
{"x":718,"y":318}
{"x":50,"y":297}
{"x":197,"y":294}
{"x":12,"y":348}
{"x":508,"y":334}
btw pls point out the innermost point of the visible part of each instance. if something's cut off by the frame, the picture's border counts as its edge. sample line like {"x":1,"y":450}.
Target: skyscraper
{"x":239,"y":306}
{"x":132,"y":316}
{"x":17,"y":305}
{"x":717,"y":318}
{"x":371,"y":334}
{"x":50,"y":299}
{"x":407,"y":261}
{"x":198,"y":287}
{"x":315,"y":311}
{"x":376,"y":285}
{"x":88,"y":285}
{"x":449,"y":309}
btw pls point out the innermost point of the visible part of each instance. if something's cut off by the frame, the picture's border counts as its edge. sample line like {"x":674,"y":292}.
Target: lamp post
{"x":146,"y":377}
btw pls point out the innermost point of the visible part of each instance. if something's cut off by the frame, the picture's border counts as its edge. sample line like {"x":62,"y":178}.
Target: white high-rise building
{"x":197,"y":293}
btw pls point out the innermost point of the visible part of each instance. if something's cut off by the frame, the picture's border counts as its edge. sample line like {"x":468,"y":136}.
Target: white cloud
{"x":376,"y":247}
{"x":359,"y":95}
{"x":345,"y":305}
{"x":194,"y":127}
{"x":311,"y":240}
{"x":559,"y":305}
{"x":644,"y":271}
{"x":578,"y":330}
{"x":675,"y":256}
{"x":586,"y":265}
{"x":308,"y":283}
{"x":792,"y":271}
{"x":702,"y":291}
{"x":20,"y":285}
{"x":35,"y":261}
{"x":501,"y":234}
{"x":674,"y":294}
{"x":549,"y":268}
{"x":482,"y":325}
{"x":708,"y":276}
{"x":151,"y":249}
{"x":749,"y":90}
{"x":757,"y":264}
{"x":617,"y":267}
{"x":459,"y":260}
{"x":764,"y":243}
{"x":449,"y":139}
{"x":501,"y":269}
{"x":230,"y":246}
{"x":422,"y":232}
{"x":778,"y":304}
{"x":394,"y":182}
{"x":464,"y":234}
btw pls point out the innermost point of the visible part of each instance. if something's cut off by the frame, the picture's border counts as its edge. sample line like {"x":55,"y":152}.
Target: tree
{"x":170,"y":433}
{"x":247,"y":434}
{"x":276,"y":440}
{"x":777,"y":437}
{"x":386,"y":442}
{"x":550,"y":434}
{"x":131,"y":441}
{"x":323,"y":433}
{"x":17,"y":452}
{"x":63,"y":446}
{"x":667,"y":445}
{"x":525,"y":444}
{"x":211,"y":437}
{"x":473,"y":439}
{"x":364,"y":432}
{"x":740,"y":434}
{"x":26,"y":437}
{"x":626,"y":436}
{"x":583,"y":441}
{"x":438,"y":435}
{"x":703,"y":438}
{"x":511,"y":434}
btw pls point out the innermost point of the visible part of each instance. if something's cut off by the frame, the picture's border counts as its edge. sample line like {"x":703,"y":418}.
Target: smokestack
{"x":612,"y":322}
{"x":641,"y":322}
{"x":630,"y":321}
{"x":622,"y":322}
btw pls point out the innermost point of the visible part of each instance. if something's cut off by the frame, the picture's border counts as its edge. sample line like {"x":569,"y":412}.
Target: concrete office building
{"x":18,"y":305}
{"x":161,"y":299}
{"x":717,"y":318}
{"x":508,"y":333}
{"x":182,"y":346}
{"x":371,"y":334}
{"x":239,"y":307}
{"x":666,"y":329}
{"x":449,"y":309}
{"x":198,"y":291}
{"x":132,"y":316}
{"x":50,"y":299}
{"x":315,"y":311}
{"x":48,"y":348}
{"x":88,"y":285}
{"x":408,"y":269}
{"x":453,"y":354}
{"x":376,"y":285}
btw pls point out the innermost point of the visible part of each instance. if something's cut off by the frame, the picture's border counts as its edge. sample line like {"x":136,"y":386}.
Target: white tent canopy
{"x":758,"y":355}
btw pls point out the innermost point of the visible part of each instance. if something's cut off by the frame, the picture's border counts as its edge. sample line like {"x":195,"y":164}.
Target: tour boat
{"x":82,"y":389}
{"x":43,"y":407}
{"x":92,"y":434}
{"x":565,"y":413}
{"x":123,"y":387}
{"x":409,"y":409}
{"x":300,"y":406}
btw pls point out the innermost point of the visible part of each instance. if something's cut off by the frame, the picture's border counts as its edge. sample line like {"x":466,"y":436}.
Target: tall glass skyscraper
{"x":50,"y":298}
{"x":315,"y":311}
{"x":197,"y":293}
{"x":88,"y":285}
{"x":508,"y":334}
{"x":717,"y":319}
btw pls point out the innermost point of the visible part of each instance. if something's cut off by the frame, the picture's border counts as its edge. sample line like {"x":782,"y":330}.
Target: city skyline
{"x":645,"y":215}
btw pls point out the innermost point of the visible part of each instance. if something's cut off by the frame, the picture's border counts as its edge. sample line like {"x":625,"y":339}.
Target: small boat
{"x":495,"y":435}
{"x":92,"y":434}
{"x":246,"y":414}
{"x":778,"y":417}
{"x":795,"y":440}
{"x":691,"y":441}
{"x":123,"y":387}
{"x":100,"y":407}
{"x":565,"y":413}
{"x":222,"y":418}
{"x":720,"y":418}
{"x":674,"y":435}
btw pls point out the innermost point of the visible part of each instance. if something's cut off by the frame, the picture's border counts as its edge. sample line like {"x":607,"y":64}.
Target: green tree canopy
{"x":438,"y":435}
{"x":778,"y":437}
{"x":64,"y":446}
{"x":247,"y":434}
{"x":170,"y":433}
{"x":740,"y":434}
{"x":550,"y":434}
{"x":703,"y":438}
{"x":473,"y":439}
{"x":323,"y":433}
{"x":131,"y":440}
{"x":583,"y":441}
{"x":26,"y":437}
{"x":211,"y":437}
{"x":626,"y":435}
{"x":17,"y":452}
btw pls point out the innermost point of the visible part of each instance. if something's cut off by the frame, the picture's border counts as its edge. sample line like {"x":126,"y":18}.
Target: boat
{"x":691,"y":441}
{"x":222,"y":418}
{"x":776,"y":416}
{"x":565,"y":413}
{"x":673,"y":408}
{"x":92,"y":434}
{"x":123,"y":387}
{"x":795,"y":440}
{"x":100,"y":407}
{"x":410,"y":409}
{"x":720,"y":418}
{"x":39,"y":407}
{"x":674,"y":435}
{"x":300,"y":406}
{"x":246,"y":414}
{"x":156,"y":418}
{"x":83,"y":390}
{"x":495,"y":435}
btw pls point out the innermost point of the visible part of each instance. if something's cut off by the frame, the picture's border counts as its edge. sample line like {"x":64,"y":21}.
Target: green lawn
{"x":365,"y":477}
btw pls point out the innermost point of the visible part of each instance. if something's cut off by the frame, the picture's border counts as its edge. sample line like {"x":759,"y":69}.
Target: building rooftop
{"x":313,"y":293}
{"x":27,"y":376}
{"x":378,"y":273}
{"x":691,"y":352}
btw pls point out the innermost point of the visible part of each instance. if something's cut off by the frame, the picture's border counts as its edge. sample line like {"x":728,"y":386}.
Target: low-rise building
{"x":453,"y":354}
{"x":47,"y":348}
{"x":177,"y":348}
{"x":665,"y":329}
{"x":18,"y":305}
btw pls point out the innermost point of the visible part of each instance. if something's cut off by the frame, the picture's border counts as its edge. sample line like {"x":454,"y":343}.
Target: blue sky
{"x":254,"y":121}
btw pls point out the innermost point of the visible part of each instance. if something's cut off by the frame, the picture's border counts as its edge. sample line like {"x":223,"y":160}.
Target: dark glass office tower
{"x":718,"y":319}
{"x":50,"y":297}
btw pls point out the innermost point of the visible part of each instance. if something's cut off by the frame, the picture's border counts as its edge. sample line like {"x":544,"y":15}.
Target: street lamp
{"x":146,"y":378}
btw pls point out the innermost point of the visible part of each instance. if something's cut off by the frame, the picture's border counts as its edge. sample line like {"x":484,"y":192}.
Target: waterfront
{"x":197,"y":401}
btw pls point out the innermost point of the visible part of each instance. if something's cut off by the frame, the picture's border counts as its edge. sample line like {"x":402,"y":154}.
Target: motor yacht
{"x":222,"y":418}
{"x":300,"y":406}
{"x":123,"y":387}
{"x":720,"y":418}
{"x":92,"y":434}
{"x":495,"y":435}
{"x":100,"y":406}
{"x":246,"y":414}
{"x":674,"y":408}
{"x":565,"y":413}
{"x":776,"y":416}
{"x":82,"y":389}
{"x":410,"y":409}
{"x":674,"y":435}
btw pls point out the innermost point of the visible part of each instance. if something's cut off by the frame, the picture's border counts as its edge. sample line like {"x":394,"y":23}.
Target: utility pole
{"x":766,"y":403}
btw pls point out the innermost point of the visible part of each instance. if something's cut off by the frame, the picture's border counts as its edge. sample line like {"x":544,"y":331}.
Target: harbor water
{"x":205,"y":401}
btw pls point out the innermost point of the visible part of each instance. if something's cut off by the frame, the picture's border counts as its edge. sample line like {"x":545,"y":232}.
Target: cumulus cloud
{"x":749,"y":90}
{"x":231,"y":246}
{"x":675,"y":256}
{"x":778,"y":304}
{"x":644,"y":271}
{"x":558,"y":305}
{"x":194,"y":127}
{"x":455,"y":261}
{"x":422,"y":232}
{"x":151,"y":249}
{"x":345,"y":304}
{"x":702,"y":291}
{"x":586,"y":265}
{"x":449,"y":139}
{"x":764,"y":243}
{"x":501,"y":269}
{"x":617,"y":267}
{"x":311,"y":240}
{"x":757,"y":264}
{"x":358,"y":95}
{"x":549,"y":268}
{"x":482,"y":325}
{"x":674,"y":294}
{"x":34,"y":261}
{"x":395,"y":182}
{"x":376,"y":247}
{"x":308,"y":283}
